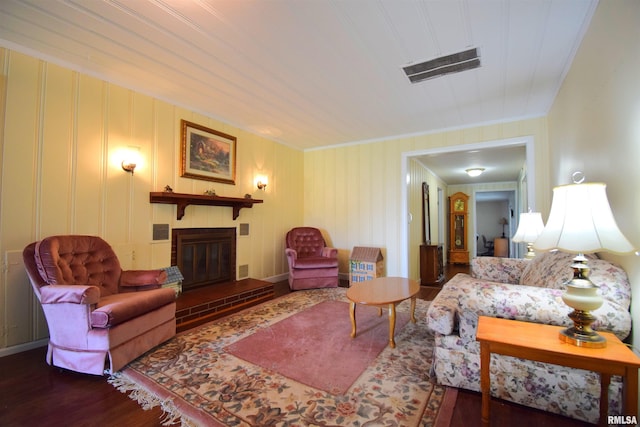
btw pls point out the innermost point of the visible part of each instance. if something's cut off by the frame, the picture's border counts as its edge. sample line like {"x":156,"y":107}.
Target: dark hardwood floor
{"x":33,"y":393}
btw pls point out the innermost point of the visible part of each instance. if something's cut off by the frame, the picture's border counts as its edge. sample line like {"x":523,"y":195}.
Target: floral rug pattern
{"x":196,"y":382}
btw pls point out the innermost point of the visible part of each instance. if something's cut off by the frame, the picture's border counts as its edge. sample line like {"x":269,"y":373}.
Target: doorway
{"x":494,"y":219}
{"x":527,"y":194}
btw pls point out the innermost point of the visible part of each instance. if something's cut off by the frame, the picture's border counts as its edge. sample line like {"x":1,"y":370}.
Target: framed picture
{"x":207,"y":154}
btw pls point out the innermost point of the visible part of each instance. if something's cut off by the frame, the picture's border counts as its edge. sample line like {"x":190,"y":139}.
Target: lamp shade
{"x":529,"y":227}
{"x":581,"y":221}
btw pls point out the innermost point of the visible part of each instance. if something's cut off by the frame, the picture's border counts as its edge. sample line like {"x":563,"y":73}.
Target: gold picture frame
{"x":207,"y":154}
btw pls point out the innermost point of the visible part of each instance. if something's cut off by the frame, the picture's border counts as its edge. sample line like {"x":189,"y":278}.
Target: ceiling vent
{"x":453,"y":63}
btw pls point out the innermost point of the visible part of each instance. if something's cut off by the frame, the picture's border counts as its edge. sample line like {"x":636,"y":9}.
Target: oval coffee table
{"x":383,"y":291}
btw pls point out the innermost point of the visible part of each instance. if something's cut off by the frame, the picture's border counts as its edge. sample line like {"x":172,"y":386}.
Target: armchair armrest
{"x":291,"y":253}
{"x":496,"y":269}
{"x":292,"y":256}
{"x":75,"y":294}
{"x":68,"y":311}
{"x":149,"y":279}
{"x":330,"y":252}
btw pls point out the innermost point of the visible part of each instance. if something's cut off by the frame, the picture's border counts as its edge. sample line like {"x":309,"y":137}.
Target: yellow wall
{"x":417,"y":174}
{"x":61,"y":175}
{"x":354,"y":192}
{"x":594,"y":125}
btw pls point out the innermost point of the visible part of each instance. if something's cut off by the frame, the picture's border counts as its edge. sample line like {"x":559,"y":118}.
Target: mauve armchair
{"x":100,"y":317}
{"x":311,"y":263}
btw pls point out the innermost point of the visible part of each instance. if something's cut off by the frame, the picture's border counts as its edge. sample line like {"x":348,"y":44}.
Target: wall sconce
{"x":130,"y":159}
{"x":261,"y":182}
{"x":128,"y":166}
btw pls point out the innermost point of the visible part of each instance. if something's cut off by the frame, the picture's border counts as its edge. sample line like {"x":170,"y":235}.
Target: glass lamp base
{"x":582,"y":296}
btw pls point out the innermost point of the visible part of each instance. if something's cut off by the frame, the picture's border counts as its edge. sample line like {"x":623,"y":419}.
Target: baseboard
{"x":277,"y":278}
{"x":7,"y":351}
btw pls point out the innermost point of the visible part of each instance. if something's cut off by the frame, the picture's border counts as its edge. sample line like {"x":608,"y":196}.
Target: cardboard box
{"x":365,"y":264}
{"x":174,"y":279}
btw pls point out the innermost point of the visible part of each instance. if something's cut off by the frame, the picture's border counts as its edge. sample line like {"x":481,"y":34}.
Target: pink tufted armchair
{"x":99,"y":317}
{"x":311,"y":263}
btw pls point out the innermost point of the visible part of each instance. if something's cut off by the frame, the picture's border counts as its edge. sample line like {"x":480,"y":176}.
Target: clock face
{"x":458,"y":205}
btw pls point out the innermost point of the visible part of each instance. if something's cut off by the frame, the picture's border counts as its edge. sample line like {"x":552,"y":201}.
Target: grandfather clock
{"x":458,"y":214}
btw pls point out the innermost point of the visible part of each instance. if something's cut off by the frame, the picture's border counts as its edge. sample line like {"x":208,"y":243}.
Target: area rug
{"x":197,"y":382}
{"x":315,"y":348}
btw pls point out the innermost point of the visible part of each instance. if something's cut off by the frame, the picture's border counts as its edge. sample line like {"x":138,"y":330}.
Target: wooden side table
{"x":501,"y":247}
{"x":538,"y":342}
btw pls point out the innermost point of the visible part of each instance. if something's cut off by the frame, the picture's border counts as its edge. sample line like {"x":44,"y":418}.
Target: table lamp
{"x":503,"y":222}
{"x":529,"y":228}
{"x":581,"y":221}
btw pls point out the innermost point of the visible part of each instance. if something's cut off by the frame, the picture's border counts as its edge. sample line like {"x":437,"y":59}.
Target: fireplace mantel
{"x":183,"y":200}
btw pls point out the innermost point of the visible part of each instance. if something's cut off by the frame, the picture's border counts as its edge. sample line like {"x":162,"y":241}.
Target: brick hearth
{"x":198,"y":306}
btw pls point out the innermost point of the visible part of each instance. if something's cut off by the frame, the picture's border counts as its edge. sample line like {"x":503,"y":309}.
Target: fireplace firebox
{"x":205,"y":256}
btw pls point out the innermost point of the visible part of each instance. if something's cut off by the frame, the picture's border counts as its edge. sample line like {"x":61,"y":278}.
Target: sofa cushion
{"x":115,"y":309}
{"x":548,"y":270}
{"x":497,"y":269}
{"x":518,"y":302}
{"x":553,"y":269}
{"x":612,"y":281}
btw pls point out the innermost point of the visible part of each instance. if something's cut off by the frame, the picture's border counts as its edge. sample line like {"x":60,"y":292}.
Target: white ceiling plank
{"x":314,"y":73}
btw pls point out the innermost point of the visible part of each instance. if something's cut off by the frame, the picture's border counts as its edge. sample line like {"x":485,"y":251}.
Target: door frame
{"x":527,"y":141}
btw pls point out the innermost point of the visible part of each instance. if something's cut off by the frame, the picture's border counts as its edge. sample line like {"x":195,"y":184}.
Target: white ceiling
{"x":314,"y":73}
{"x":501,"y":164}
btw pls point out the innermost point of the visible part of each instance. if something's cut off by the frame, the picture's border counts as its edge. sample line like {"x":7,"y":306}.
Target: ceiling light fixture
{"x":473,"y":172}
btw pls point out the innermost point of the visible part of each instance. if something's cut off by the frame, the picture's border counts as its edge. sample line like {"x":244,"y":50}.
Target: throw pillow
{"x":549,"y":270}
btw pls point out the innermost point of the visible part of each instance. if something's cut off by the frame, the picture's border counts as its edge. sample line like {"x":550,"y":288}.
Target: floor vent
{"x":448,"y":64}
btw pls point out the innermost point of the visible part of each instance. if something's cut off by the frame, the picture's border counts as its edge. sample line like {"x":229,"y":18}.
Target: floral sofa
{"x":528,"y":290}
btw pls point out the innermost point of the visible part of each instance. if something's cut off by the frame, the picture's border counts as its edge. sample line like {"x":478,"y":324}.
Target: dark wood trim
{"x":182,"y":200}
